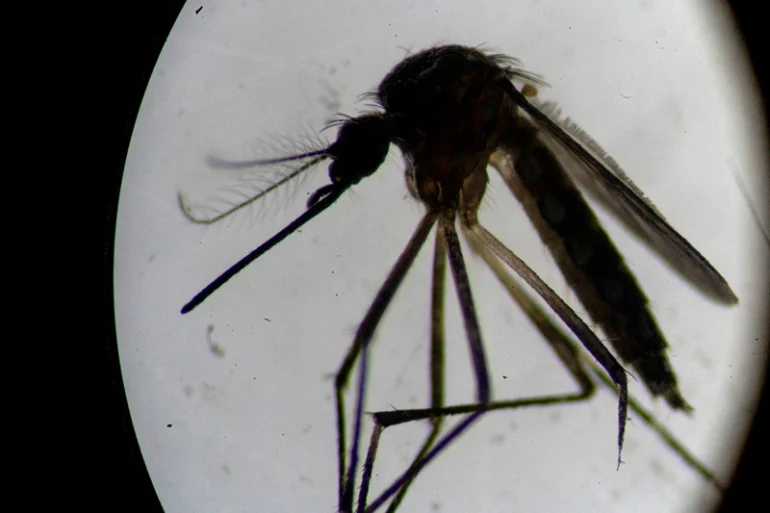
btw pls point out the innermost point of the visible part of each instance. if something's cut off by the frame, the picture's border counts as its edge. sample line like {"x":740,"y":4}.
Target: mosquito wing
{"x":592,"y":166}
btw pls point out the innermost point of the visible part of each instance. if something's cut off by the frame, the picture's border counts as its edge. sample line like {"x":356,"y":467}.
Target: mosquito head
{"x":361,"y":147}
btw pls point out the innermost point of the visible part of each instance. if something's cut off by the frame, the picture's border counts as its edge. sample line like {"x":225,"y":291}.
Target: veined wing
{"x":589,"y":163}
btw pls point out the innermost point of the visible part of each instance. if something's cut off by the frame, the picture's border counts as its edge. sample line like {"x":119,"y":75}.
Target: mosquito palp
{"x":453,"y":111}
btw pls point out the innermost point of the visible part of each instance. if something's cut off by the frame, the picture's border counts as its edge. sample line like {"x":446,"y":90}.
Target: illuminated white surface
{"x":253,"y":429}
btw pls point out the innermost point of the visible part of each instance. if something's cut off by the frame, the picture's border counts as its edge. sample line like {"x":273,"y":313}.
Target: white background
{"x":252,"y":427}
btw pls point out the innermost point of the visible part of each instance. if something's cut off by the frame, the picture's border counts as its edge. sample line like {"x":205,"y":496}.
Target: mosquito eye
{"x":341,"y":171}
{"x":361,"y":147}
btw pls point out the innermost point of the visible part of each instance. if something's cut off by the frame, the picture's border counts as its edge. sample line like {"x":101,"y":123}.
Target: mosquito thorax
{"x":448,"y":109}
{"x":360,"y":149}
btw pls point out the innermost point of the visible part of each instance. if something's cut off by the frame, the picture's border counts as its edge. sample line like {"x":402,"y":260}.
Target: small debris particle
{"x":215,"y":348}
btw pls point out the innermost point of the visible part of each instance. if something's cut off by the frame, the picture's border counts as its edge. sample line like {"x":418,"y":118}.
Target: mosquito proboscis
{"x":453,"y":111}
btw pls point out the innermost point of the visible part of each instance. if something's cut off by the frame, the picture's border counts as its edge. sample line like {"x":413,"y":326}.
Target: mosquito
{"x":453,"y":111}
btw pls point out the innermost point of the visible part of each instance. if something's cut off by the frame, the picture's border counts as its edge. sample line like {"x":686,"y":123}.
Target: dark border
{"x":129,"y":46}
{"x":749,"y":484}
{"x":118,"y":479}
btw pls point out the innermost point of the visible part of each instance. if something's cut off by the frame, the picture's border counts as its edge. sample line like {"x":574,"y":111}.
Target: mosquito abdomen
{"x":592,"y":266}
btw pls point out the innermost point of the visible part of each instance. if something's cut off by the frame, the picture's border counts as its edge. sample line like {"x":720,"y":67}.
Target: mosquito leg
{"x":562,"y":345}
{"x":665,"y":435}
{"x":478,"y":358}
{"x":436,"y":379}
{"x":571,"y":357}
{"x":564,"y":348}
{"x":752,"y":209}
{"x":569,"y":354}
{"x":366,"y":475}
{"x":587,"y":337}
{"x":358,"y":348}
{"x":437,"y":356}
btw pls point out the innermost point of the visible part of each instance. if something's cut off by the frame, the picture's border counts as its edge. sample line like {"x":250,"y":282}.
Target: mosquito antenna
{"x":229,"y":164}
{"x":323,"y":199}
{"x":216,"y":162}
